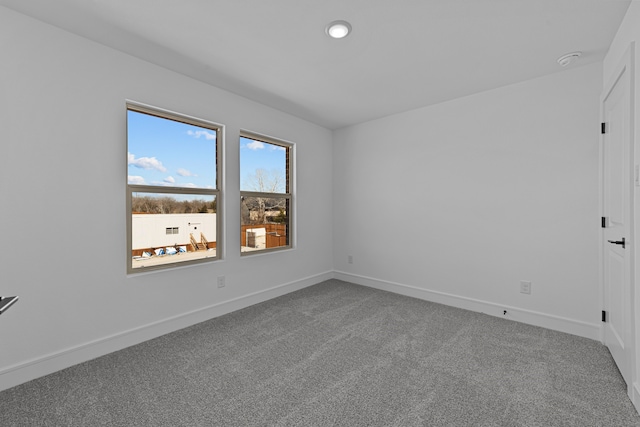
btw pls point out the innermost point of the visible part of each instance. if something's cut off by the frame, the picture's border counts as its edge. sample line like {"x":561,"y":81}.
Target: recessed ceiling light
{"x":338,"y":29}
{"x":565,"y":60}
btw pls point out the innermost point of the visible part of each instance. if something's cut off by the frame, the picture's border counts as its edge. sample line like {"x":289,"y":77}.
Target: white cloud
{"x":146,"y":163}
{"x":170,"y":180}
{"x":135,"y":180}
{"x":255,"y":145}
{"x":184,"y":172}
{"x":208,"y":135}
{"x":167,"y":183}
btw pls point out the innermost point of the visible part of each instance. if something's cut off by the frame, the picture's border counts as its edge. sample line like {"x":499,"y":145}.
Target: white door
{"x":616,"y":150}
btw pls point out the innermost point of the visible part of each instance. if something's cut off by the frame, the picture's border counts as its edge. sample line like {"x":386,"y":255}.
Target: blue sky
{"x":164,"y":152}
{"x":256,"y":155}
{"x":168,"y":153}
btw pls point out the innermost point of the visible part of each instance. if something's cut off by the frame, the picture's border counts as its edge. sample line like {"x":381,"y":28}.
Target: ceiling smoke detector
{"x":565,"y":60}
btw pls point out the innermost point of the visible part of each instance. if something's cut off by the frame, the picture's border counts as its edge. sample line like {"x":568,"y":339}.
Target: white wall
{"x":459,"y":202}
{"x":62,"y":115}
{"x":148,"y":231}
{"x":628,"y":37}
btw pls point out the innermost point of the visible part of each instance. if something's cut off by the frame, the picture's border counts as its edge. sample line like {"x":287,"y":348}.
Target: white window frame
{"x":289,"y":193}
{"x":216,"y":192}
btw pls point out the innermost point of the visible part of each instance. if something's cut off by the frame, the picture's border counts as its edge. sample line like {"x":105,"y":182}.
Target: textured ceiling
{"x":402,"y":54}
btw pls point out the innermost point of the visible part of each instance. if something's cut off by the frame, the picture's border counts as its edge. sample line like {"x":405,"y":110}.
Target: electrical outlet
{"x":221,"y":282}
{"x":525,"y":287}
{"x":350,"y":259}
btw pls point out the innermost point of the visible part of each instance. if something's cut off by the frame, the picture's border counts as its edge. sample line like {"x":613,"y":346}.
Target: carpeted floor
{"x":337,"y":354}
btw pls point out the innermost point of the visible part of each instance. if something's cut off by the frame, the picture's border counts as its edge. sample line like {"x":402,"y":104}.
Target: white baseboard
{"x":31,"y":369}
{"x":635,"y":396}
{"x":47,"y":364}
{"x":557,"y":323}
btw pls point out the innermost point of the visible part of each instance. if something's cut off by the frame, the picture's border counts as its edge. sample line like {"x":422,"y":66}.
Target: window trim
{"x":135,"y":188}
{"x":289,"y":194}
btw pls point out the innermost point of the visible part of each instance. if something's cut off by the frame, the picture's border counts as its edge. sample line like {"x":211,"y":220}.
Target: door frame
{"x":625,"y":64}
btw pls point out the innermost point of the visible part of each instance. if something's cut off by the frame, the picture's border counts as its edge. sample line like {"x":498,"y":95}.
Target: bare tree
{"x":255,"y":208}
{"x":266,"y":181}
{"x":170,"y":205}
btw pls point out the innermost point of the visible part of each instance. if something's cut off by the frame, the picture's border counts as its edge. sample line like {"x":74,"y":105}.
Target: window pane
{"x":263,"y":166}
{"x":169,"y":153}
{"x":168,"y":228}
{"x":265,"y":223}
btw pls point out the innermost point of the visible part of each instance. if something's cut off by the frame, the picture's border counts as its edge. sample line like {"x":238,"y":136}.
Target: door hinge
{"x":604,"y":222}
{"x":604,"y":316}
{"x":603,"y":128}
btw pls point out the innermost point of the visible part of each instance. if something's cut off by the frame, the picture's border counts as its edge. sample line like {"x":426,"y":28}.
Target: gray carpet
{"x":337,"y":354}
